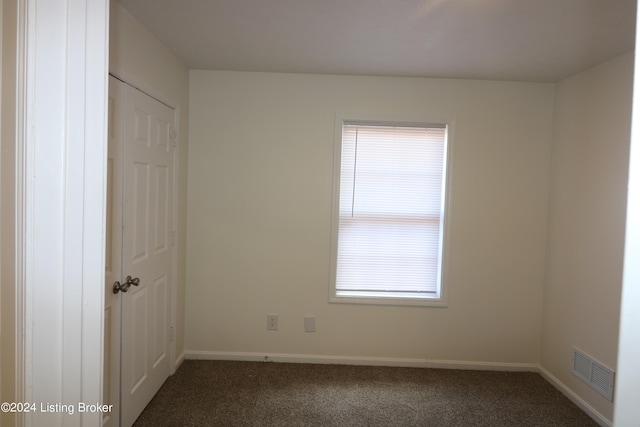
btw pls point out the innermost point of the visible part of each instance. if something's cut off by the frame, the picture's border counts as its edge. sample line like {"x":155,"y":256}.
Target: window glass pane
{"x":388,"y":255}
{"x":390,"y":210}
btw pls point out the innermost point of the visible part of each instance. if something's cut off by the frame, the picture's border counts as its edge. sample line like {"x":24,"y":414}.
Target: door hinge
{"x":171,"y":334}
{"x":173,"y":238}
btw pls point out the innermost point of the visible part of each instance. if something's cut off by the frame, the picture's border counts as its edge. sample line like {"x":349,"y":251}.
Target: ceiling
{"x":522,"y":40}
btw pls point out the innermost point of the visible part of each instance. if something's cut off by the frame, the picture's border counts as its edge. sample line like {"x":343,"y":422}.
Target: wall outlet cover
{"x":272,"y":322}
{"x":310,"y":323}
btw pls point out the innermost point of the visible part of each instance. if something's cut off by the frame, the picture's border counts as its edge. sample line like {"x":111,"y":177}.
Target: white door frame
{"x":61,"y":152}
{"x":626,"y":408}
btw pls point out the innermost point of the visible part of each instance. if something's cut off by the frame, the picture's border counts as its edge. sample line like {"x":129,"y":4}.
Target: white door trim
{"x":20,"y":204}
{"x":626,"y":408}
{"x":61,"y":190}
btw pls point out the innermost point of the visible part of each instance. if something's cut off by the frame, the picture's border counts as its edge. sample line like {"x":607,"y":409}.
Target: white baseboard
{"x":352,"y":360}
{"x":180,"y":359}
{"x":597,"y":416}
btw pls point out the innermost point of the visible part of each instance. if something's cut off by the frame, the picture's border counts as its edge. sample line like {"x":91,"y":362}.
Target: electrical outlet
{"x":272,"y":322}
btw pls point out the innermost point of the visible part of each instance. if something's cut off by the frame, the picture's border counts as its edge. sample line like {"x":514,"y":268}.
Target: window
{"x":388,"y":219}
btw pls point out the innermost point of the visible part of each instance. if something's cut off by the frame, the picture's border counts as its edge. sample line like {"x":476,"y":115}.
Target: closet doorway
{"x":139,"y":251}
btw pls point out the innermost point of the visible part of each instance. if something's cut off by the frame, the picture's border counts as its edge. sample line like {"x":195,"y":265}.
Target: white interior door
{"x":146,"y":250}
{"x":145,"y":207}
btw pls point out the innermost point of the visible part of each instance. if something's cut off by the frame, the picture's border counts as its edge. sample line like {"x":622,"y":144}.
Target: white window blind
{"x":391,"y":211}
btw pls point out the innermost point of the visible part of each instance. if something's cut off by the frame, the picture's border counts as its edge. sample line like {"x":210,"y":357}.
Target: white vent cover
{"x":594,"y":373}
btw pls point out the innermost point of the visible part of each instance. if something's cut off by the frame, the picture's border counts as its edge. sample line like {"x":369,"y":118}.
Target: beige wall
{"x":140,"y":59}
{"x":586,"y":221}
{"x":259,"y":209}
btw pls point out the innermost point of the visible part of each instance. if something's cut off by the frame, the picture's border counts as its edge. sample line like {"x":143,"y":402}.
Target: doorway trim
{"x":60,"y":205}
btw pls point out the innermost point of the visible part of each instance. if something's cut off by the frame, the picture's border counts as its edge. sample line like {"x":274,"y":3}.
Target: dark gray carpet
{"x":221,"y":393}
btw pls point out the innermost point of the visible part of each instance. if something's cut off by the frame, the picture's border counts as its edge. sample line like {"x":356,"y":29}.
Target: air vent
{"x":592,"y":372}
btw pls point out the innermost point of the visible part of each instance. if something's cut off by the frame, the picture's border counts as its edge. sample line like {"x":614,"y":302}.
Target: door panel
{"x":159,"y":295}
{"x":139,"y":183}
{"x":161,"y":232}
{"x":147,"y":253}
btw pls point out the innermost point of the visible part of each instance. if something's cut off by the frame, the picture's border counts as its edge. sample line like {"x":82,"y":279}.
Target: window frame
{"x":440,"y":300}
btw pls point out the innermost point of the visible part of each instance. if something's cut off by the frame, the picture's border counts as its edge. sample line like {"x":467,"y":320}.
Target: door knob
{"x":124,"y":287}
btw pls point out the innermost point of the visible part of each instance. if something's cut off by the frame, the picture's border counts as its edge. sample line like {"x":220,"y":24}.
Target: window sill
{"x":386,"y":300}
